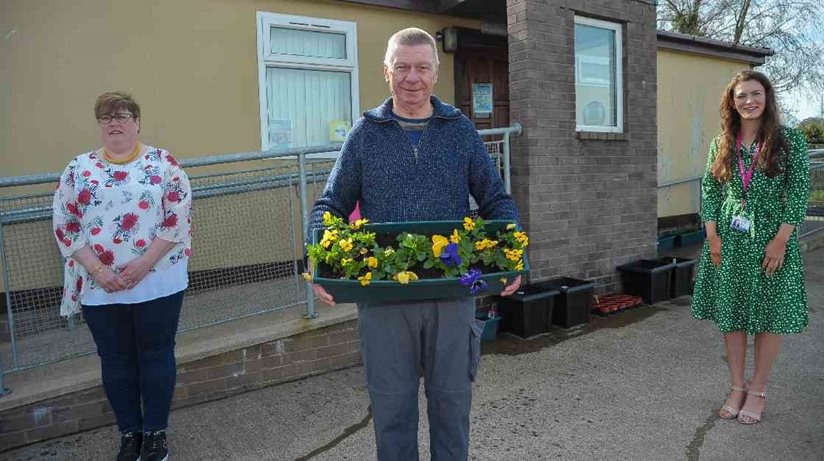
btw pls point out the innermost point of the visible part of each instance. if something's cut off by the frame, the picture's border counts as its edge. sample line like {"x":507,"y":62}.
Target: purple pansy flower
{"x":449,"y":255}
{"x":473,"y":280}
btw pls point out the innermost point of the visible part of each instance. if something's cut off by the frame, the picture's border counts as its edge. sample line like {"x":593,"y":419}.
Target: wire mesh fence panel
{"x":247,"y":251}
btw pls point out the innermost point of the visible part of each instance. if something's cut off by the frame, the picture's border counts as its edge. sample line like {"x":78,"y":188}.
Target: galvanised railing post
{"x":7,"y":286}
{"x":304,"y":221}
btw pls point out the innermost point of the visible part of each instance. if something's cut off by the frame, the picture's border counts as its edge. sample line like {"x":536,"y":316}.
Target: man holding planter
{"x":415,"y":158}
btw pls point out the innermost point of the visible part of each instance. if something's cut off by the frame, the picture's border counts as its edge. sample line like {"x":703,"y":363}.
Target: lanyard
{"x":746,"y":176}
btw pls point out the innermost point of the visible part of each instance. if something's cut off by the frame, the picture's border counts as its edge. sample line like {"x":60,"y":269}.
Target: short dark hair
{"x":110,"y":102}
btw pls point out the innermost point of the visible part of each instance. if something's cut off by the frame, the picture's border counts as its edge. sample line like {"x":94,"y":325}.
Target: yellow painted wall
{"x":191,"y":64}
{"x":689,"y":92}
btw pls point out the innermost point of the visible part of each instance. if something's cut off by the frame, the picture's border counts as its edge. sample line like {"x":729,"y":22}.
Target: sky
{"x":803,"y":104}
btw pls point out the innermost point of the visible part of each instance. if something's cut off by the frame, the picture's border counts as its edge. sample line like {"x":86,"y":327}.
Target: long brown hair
{"x":773,"y":144}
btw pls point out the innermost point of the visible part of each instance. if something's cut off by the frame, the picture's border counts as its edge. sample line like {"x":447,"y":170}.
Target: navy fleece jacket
{"x":396,"y":182}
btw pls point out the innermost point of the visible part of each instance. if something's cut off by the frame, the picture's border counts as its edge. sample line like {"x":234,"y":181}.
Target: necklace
{"x":133,"y":155}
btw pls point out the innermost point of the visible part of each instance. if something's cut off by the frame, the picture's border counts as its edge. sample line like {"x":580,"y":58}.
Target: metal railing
{"x":245,"y":262}
{"x":815,"y":204}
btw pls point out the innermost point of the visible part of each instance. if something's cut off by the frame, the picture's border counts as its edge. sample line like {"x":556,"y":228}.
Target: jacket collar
{"x":383,"y":113}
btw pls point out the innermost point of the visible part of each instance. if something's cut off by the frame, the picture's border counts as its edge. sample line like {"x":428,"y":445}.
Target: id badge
{"x":741,"y":224}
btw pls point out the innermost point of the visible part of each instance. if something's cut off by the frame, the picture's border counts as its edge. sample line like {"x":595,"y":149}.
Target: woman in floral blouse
{"x":122,"y":219}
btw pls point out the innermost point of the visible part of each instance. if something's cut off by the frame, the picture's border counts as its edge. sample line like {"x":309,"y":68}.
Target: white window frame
{"x":619,"y":80}
{"x":267,"y":59}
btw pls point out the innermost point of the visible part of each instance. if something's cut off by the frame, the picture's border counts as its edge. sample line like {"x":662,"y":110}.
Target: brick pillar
{"x":588,"y":200}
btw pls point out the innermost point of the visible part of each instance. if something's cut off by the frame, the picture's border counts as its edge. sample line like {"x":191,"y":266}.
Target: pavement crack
{"x":349,"y":431}
{"x":694,"y":448}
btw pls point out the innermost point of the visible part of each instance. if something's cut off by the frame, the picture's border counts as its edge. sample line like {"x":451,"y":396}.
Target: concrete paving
{"x":642,"y":385}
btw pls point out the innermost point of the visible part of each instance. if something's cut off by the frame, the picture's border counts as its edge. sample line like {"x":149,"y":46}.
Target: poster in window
{"x":338,"y":129}
{"x":280,"y":134}
{"x":482,"y":100}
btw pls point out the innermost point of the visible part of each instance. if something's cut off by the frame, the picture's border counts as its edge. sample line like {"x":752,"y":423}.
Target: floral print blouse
{"x":117,"y":210}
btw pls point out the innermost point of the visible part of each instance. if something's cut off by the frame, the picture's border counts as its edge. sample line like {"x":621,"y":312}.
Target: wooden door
{"x":483,"y":65}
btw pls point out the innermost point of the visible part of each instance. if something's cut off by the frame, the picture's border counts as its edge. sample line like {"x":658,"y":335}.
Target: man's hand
{"x":512,"y":287}
{"x":324,"y":296}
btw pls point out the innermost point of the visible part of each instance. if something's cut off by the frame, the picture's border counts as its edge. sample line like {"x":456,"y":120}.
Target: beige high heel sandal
{"x":732,"y":413}
{"x":754,"y":417}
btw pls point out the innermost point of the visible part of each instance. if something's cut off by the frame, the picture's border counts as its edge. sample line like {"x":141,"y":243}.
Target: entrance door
{"x":483,"y":66}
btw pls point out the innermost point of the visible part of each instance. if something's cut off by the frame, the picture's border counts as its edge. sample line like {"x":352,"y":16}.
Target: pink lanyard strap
{"x":746,"y":176}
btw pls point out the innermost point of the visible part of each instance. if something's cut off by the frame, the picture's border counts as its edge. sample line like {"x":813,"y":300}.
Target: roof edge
{"x":711,"y":47}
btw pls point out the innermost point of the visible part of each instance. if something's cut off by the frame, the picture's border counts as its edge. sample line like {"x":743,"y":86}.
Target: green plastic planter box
{"x":348,"y":291}
{"x":666,"y":242}
{"x":691,"y":238}
{"x":490,"y":326}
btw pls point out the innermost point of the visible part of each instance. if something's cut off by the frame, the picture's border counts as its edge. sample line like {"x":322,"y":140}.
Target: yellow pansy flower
{"x":345,"y":261}
{"x":327,"y":218}
{"x":520,"y":265}
{"x":485,"y":244}
{"x":469,"y":224}
{"x":405,"y":277}
{"x":328,"y":238}
{"x":510,"y":226}
{"x":346,"y":244}
{"x":388,"y":252}
{"x":521,"y":238}
{"x":513,"y":255}
{"x":365,"y":279}
{"x":438,"y":242}
{"x":307,"y":276}
{"x":358,"y":224}
{"x":372,"y":262}
{"x":455,"y":237}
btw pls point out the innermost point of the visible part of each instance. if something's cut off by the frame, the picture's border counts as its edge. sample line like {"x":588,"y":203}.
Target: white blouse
{"x":117,"y":210}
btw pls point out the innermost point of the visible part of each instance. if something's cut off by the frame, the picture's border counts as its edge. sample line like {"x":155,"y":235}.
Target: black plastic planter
{"x":574,"y":301}
{"x":527,"y":312}
{"x":647,"y":278}
{"x":681,"y":278}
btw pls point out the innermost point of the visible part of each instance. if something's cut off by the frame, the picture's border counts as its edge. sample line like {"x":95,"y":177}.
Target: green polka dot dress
{"x":737,"y":295}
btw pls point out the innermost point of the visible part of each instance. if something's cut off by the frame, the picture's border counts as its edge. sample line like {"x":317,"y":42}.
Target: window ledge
{"x":600,"y":136}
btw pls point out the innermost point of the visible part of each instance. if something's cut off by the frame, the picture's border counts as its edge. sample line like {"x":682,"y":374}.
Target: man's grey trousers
{"x":401,"y":340}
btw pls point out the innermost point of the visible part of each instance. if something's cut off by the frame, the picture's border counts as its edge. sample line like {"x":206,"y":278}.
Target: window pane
{"x":308,"y":43}
{"x":305,"y":105}
{"x":595,"y":76}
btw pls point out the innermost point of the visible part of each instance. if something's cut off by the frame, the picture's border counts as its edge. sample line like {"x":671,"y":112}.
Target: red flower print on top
{"x":173,"y":196}
{"x":87,"y":173}
{"x":170,"y":221}
{"x":74,"y":210}
{"x":129,"y":221}
{"x":79,"y":283}
{"x":95,"y":230}
{"x":59,"y":233}
{"x":155,"y":179}
{"x":171,"y":160}
{"x":120,"y":175}
{"x":143,"y":205}
{"x":73,"y":227}
{"x":107,"y":257}
{"x":98,"y":248}
{"x":140,"y":243}
{"x":84,"y":197}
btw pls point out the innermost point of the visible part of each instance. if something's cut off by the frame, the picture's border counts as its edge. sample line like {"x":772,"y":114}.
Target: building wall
{"x":191,"y":64}
{"x":688,"y":120}
{"x":588,"y":200}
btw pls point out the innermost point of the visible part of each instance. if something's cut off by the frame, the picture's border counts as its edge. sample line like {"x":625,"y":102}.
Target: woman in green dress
{"x":751,"y":276}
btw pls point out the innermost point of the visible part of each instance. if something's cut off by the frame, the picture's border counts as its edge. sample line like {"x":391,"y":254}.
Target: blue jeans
{"x":136,"y":345}
{"x":439,"y":337}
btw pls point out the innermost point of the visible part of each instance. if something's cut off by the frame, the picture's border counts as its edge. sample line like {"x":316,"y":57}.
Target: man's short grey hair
{"x":411,"y":36}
